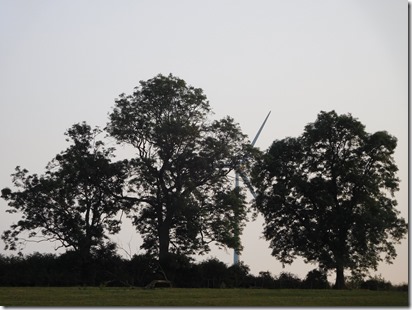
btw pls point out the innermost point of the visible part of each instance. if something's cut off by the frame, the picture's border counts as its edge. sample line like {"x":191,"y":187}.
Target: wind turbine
{"x":239,"y":174}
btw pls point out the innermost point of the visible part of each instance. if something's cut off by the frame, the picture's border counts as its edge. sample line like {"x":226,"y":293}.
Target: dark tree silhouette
{"x":316,"y":279}
{"x":179,"y":182}
{"x":71,"y":203}
{"x":328,"y":196}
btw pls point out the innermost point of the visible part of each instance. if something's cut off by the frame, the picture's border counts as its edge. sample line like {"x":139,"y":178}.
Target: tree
{"x":213,"y":273}
{"x":288,"y":280}
{"x":328,"y":196}
{"x":316,"y":279}
{"x":238,"y":275}
{"x":179,"y":178}
{"x":71,"y":203}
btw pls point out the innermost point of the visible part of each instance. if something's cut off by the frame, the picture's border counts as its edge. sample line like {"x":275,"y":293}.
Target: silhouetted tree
{"x":71,"y":203}
{"x":316,"y":279}
{"x":266,"y":280}
{"x":213,"y":273}
{"x":238,"y":275}
{"x":328,"y":196}
{"x":376,"y":283}
{"x":288,"y":280}
{"x":184,"y":198}
{"x":142,"y":269}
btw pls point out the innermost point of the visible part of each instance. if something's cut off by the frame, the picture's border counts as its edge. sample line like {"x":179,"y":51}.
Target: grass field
{"x":99,"y":297}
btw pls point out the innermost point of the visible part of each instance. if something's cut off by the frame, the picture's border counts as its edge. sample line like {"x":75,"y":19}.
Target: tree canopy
{"x":328,"y":196}
{"x":179,"y":177}
{"x":72,"y":202}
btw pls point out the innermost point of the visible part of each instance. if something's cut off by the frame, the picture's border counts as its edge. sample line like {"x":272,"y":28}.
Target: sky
{"x":64,"y":62}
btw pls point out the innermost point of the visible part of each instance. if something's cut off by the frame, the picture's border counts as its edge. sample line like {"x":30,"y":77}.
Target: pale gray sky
{"x":65,"y":61}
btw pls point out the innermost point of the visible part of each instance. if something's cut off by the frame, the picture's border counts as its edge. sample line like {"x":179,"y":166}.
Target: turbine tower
{"x":240,"y":174}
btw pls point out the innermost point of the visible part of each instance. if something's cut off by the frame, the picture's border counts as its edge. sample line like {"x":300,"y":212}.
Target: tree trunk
{"x":340,"y":279}
{"x":86,"y":272}
{"x":164,"y":240}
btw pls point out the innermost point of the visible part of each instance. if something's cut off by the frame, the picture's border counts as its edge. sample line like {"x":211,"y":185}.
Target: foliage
{"x":266,"y":280}
{"x":288,"y":280}
{"x":238,"y":276}
{"x":110,"y":270}
{"x":316,"y":279}
{"x":328,"y":196}
{"x":141,"y":269}
{"x":376,"y":283}
{"x":34,"y":269}
{"x":73,"y":202}
{"x":213,"y":273}
{"x":184,"y":198}
{"x":355,"y":281}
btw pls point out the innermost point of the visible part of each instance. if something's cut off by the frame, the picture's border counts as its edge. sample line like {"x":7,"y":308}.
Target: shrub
{"x":316,"y":279}
{"x":238,"y":276}
{"x":376,"y":283}
{"x":288,"y":280}
{"x":266,"y":280}
{"x":213,"y":273}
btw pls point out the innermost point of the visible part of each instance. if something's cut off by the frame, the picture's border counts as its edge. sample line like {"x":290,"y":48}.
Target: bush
{"x":376,"y":283}
{"x":109,"y":269}
{"x":213,"y":273}
{"x":238,"y":276}
{"x":265,"y":280}
{"x":141,"y":269}
{"x":288,"y":280}
{"x":355,"y":281}
{"x":316,"y":279}
{"x":401,"y":287}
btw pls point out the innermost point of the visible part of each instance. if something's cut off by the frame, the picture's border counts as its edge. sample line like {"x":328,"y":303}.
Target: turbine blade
{"x":260,"y":129}
{"x":248,"y":183}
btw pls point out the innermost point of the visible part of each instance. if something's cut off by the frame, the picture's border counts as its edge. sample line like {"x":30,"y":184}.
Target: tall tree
{"x":73,"y":202}
{"x":179,"y":177}
{"x":328,"y":196}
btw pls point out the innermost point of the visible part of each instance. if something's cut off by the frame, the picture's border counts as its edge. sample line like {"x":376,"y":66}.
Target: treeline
{"x":109,"y":269}
{"x":323,"y":195}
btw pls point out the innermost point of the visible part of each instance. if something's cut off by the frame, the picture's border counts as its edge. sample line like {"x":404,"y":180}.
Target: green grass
{"x":93,"y":296}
